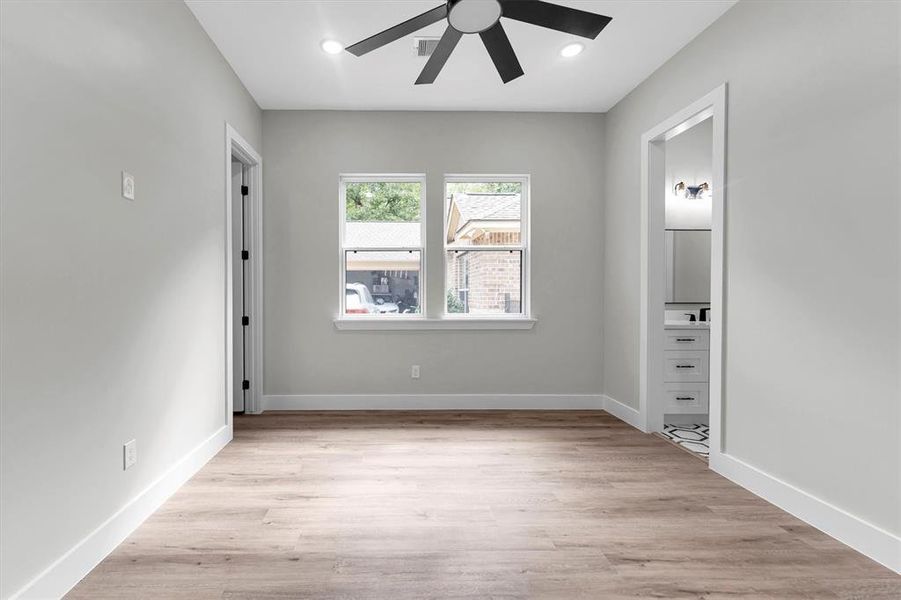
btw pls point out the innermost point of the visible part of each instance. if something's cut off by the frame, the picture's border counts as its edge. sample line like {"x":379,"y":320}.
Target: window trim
{"x":524,"y":246}
{"x":343,"y":180}
{"x":365,"y":323}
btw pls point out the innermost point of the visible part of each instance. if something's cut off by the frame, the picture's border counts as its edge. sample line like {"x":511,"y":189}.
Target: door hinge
{"x":245,"y":320}
{"x":245,"y":190}
{"x":245,"y":255}
{"x":245,"y":385}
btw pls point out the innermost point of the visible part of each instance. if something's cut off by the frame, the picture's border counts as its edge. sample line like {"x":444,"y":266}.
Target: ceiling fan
{"x":484,"y":17}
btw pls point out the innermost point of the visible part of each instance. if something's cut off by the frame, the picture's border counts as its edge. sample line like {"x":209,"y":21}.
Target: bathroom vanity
{"x":686,"y":367}
{"x":686,"y":346}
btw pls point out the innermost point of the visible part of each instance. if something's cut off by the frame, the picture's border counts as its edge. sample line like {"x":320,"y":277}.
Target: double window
{"x":383,"y":248}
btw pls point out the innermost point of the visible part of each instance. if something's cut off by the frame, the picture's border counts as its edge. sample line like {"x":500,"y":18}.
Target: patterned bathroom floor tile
{"x":691,"y":437}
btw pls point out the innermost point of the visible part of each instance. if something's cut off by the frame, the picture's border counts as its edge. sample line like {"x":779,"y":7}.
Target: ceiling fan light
{"x":331,"y":47}
{"x":473,"y":16}
{"x":572,"y":50}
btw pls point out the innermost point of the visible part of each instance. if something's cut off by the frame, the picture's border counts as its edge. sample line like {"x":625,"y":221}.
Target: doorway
{"x":244,"y":276}
{"x":682,"y":274}
{"x":243,"y":282}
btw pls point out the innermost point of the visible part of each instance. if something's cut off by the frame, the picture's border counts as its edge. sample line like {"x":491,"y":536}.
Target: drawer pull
{"x":686,"y":339}
{"x":685,"y":397}
{"x":685,"y":366}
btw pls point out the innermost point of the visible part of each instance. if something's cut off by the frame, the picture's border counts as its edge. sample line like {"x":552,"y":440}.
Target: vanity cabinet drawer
{"x":685,"y":398}
{"x":686,"y":365}
{"x":686,"y":339}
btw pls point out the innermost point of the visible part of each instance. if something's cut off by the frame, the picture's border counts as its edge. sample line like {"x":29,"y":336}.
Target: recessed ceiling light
{"x":332,"y":47}
{"x":572,"y":50}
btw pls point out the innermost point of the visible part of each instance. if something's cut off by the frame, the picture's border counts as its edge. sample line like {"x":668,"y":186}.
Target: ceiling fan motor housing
{"x":473,"y":16}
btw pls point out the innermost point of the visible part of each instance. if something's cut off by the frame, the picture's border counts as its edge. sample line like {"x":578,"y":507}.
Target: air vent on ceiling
{"x":425,"y":45}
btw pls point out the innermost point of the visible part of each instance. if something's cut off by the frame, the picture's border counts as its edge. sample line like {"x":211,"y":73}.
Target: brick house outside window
{"x":484,"y":282}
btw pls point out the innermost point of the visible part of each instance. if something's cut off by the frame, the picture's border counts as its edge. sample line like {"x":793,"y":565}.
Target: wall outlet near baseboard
{"x":414,"y":372}
{"x":129,"y":454}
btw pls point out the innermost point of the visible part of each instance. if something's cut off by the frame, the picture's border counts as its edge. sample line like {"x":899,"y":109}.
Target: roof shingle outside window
{"x":484,"y":219}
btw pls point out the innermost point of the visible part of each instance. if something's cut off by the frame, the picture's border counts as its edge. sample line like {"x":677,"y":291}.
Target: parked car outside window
{"x":358,"y":300}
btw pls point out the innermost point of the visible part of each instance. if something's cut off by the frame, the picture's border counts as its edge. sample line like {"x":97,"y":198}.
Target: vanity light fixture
{"x":692,"y":192}
{"x":332,"y":47}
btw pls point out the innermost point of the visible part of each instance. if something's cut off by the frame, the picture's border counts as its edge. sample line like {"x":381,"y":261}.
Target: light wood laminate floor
{"x":419,"y":505}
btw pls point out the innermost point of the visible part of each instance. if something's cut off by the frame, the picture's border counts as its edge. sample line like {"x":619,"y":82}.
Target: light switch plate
{"x":128,"y":185}
{"x":130,"y":454}
{"x":414,"y":372}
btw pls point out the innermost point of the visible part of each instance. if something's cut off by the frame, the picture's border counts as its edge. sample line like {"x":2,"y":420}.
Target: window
{"x":486,"y":246}
{"x":382,"y":245}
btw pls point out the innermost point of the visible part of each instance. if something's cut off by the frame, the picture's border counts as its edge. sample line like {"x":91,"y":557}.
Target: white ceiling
{"x":273,"y":46}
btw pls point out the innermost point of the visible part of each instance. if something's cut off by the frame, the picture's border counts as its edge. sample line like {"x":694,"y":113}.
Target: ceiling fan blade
{"x":442,"y":52}
{"x":554,"y":16}
{"x":398,"y":31}
{"x":501,"y":52}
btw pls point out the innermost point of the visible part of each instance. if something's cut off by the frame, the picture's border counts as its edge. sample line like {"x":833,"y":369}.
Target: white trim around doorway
{"x":710,"y":106}
{"x":236,"y":146}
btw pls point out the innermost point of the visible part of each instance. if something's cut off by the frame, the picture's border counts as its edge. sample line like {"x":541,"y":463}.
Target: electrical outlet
{"x":414,"y":372}
{"x":130,"y":454}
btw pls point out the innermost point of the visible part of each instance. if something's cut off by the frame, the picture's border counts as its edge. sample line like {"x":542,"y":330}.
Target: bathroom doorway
{"x":682,"y":311}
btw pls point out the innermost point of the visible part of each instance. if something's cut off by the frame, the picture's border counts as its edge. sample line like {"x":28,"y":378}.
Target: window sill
{"x":423,"y":324}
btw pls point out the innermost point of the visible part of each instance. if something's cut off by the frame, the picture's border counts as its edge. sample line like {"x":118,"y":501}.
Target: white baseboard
{"x":868,"y":539}
{"x":454,"y":402}
{"x":61,"y":576}
{"x":623,"y":412}
{"x":435,"y":402}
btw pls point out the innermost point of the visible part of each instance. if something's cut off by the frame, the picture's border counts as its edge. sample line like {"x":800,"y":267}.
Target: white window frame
{"x":345,"y":179}
{"x":523,"y":247}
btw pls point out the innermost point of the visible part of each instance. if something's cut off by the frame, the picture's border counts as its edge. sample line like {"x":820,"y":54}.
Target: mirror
{"x":688,"y":265}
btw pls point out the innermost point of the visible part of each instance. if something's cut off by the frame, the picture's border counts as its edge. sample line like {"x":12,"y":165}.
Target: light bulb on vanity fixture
{"x":692,"y":192}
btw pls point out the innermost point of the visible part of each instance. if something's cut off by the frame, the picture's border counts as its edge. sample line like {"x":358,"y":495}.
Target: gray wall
{"x":112,"y":311}
{"x":812,"y":230}
{"x":305,"y":152}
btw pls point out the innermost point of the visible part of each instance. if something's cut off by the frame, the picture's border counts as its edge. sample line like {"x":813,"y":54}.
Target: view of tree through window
{"x":387,"y":202}
{"x":484,"y":187}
